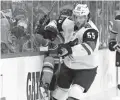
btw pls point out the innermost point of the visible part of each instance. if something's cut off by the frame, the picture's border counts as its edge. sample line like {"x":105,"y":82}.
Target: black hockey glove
{"x":40,"y":26}
{"x":112,"y":44}
{"x":50,"y":33}
{"x":73,"y":43}
{"x":64,"y":50}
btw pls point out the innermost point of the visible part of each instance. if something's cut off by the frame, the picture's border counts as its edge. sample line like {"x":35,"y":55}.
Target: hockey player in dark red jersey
{"x":52,"y":35}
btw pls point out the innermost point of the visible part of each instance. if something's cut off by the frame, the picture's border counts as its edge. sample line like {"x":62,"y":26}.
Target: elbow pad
{"x":112,"y":43}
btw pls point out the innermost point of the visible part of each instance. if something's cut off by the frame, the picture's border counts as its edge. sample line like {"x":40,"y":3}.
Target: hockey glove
{"x":112,"y":44}
{"x":64,"y":50}
{"x":73,"y":43}
{"x":50,"y":33}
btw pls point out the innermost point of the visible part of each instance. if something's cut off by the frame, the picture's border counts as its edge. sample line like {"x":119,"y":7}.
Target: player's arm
{"x":113,"y":34}
{"x":88,"y":46}
{"x":50,"y":33}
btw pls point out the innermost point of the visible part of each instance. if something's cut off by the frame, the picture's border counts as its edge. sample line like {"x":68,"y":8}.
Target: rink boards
{"x":20,"y":77}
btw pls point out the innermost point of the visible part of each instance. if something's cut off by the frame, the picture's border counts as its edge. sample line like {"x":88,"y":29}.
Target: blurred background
{"x":19,"y":19}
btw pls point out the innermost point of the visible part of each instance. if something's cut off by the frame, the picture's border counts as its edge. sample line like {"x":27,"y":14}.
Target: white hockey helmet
{"x":81,"y":10}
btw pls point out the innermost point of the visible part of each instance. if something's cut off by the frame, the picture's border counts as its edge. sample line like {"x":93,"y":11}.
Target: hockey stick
{"x":118,"y":72}
{"x":47,"y":17}
{"x":59,"y":65}
{"x":57,"y":71}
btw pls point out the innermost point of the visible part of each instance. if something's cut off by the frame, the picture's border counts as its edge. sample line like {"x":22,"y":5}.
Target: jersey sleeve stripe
{"x":48,"y":68}
{"x":87,"y":48}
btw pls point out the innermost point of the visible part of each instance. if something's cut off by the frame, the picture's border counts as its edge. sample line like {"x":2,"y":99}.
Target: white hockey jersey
{"x":83,"y":57}
{"x":80,"y":58}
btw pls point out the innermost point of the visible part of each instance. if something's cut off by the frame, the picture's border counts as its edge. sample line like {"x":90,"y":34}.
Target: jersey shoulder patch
{"x":90,"y":35}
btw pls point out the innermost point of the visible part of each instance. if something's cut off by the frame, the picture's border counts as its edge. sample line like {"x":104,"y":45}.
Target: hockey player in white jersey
{"x":79,"y":68}
{"x":114,"y":43}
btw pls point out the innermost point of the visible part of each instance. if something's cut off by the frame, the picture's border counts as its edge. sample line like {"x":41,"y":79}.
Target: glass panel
{"x":16,"y":27}
{"x":20,"y":19}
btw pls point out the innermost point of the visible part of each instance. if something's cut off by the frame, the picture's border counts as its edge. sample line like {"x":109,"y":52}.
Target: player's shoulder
{"x":90,"y":32}
{"x":90,"y":24}
{"x":68,"y":23}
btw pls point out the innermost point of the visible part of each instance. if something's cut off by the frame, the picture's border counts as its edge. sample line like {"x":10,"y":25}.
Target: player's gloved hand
{"x":73,"y":43}
{"x":112,"y":44}
{"x":40,"y":30}
{"x":64,"y":50}
{"x":50,"y":33}
{"x":41,"y":21}
{"x":40,"y":27}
